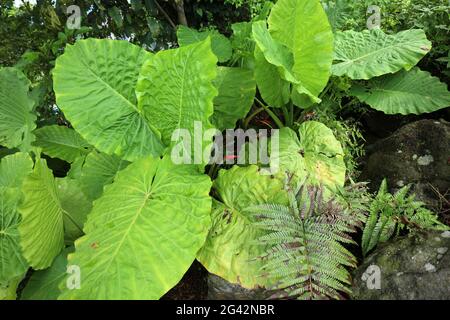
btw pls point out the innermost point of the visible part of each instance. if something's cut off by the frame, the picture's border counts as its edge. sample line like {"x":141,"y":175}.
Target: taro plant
{"x":312,"y":153}
{"x":118,"y":223}
{"x":395,"y":85}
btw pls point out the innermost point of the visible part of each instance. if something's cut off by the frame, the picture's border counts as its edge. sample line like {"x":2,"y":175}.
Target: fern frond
{"x":305,"y":256}
{"x":391,"y":213}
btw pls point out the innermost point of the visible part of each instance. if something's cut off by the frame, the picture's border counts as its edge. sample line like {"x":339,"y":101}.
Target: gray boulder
{"x":418,"y":153}
{"x":416,"y":267}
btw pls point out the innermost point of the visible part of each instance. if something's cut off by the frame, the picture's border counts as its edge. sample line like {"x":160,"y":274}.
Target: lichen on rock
{"x":415,"y":267}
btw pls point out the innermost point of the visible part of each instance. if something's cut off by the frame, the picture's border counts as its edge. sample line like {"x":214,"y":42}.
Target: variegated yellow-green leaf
{"x":175,"y":88}
{"x":303,"y":27}
{"x":61,"y":142}
{"x":230,"y":247}
{"x":237,"y":89}
{"x":94,"y":82}
{"x":406,"y":92}
{"x":41,"y":230}
{"x":372,"y":53}
{"x":17,"y":120}
{"x":143,"y":233}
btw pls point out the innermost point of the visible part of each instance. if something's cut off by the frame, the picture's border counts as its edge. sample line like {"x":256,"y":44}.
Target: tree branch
{"x":179,"y":6}
{"x":166,"y":15}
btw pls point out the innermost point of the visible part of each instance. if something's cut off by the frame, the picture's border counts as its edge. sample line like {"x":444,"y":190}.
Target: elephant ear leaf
{"x":315,"y":154}
{"x":17,"y":120}
{"x":280,"y":57}
{"x":61,"y":142}
{"x":13,"y":170}
{"x":94,"y":83}
{"x":372,"y":53}
{"x":41,"y":230}
{"x":273,"y":89}
{"x":275,"y":53}
{"x":175,"y":88}
{"x":142,"y":235}
{"x":303,"y":27}
{"x":231,"y":244}
{"x":406,"y":92}
{"x":237,"y":89}
{"x":221,"y":45}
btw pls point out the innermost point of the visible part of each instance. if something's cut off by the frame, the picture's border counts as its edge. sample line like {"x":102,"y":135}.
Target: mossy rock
{"x":417,"y":154}
{"x":415,"y":267}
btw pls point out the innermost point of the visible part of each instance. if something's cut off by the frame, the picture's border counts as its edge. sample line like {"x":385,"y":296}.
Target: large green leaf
{"x":406,"y":92}
{"x":372,"y":53}
{"x":75,"y":205}
{"x":237,"y":89}
{"x":281,"y":57}
{"x":175,"y":88}
{"x":316,"y":155}
{"x":275,"y":53}
{"x":94,"y":82}
{"x":303,"y":27}
{"x":143,"y":233}
{"x":220,"y":44}
{"x":41,"y":230}
{"x":17,"y":119}
{"x":13,"y":169}
{"x":61,"y":142}
{"x":44,"y":285}
{"x":99,"y":170}
{"x":230,"y":247}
